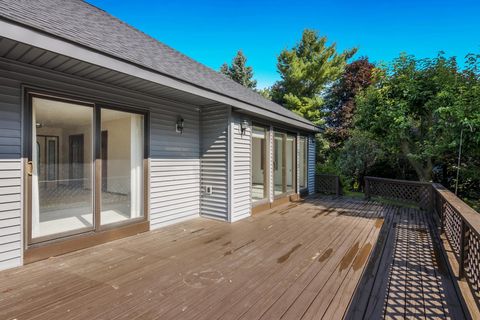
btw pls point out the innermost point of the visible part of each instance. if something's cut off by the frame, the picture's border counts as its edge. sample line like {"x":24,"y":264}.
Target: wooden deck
{"x":326,"y":257}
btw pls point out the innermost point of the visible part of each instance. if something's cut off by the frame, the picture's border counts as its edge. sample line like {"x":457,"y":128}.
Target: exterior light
{"x":179,"y":125}
{"x":244,"y":126}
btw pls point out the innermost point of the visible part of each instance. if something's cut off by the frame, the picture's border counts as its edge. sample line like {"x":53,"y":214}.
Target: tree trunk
{"x":423,"y":171}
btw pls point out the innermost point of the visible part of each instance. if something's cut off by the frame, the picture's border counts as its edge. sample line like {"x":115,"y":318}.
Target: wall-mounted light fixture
{"x":180,"y":124}
{"x":244,"y":126}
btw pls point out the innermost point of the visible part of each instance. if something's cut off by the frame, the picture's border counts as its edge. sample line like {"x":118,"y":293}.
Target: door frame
{"x":44,"y":247}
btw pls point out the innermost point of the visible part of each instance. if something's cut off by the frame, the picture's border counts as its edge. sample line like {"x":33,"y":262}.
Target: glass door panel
{"x":259,"y":163}
{"x":279,"y":164}
{"x":62,"y":168}
{"x":122,"y":149}
{"x":302,"y":161}
{"x":290,"y":163}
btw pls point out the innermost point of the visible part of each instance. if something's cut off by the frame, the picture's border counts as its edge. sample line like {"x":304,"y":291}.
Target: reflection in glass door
{"x":61,"y":182}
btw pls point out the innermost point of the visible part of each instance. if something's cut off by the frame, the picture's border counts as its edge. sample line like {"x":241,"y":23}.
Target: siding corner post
{"x":230,"y":163}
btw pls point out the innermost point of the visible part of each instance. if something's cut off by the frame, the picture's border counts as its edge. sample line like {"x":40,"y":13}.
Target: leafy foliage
{"x":340,"y":100}
{"x":306,"y":70}
{"x":418,"y":108}
{"x":239,"y":72}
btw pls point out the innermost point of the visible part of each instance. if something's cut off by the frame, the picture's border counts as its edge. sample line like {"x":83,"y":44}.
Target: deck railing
{"x":328,"y":184}
{"x":412,"y":192}
{"x":459,"y":222}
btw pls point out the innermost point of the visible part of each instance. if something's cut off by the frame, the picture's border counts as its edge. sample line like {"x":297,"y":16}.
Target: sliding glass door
{"x":284,"y":163}
{"x":86,"y":167}
{"x":259,"y":163}
{"x":302,"y":162}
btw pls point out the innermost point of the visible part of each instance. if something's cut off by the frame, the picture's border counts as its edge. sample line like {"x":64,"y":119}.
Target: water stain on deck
{"x":325,"y":255}
{"x":229,"y":252}
{"x":362,"y":256}
{"x":348,"y":258}
{"x":285,"y":257}
{"x":323,"y":212}
{"x":216,"y":238}
{"x":379,"y":223}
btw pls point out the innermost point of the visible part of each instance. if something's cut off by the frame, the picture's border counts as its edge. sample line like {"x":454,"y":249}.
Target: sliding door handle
{"x":29,"y":168}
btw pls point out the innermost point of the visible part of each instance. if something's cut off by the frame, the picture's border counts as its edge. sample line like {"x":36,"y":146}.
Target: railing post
{"x":463,"y":242}
{"x":337,"y":185}
{"x":367,"y":188}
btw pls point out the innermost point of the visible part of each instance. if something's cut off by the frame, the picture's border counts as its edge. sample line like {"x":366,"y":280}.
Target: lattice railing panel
{"x":326,"y":183}
{"x":452,"y":225}
{"x":472,"y":262}
{"x":412,"y":192}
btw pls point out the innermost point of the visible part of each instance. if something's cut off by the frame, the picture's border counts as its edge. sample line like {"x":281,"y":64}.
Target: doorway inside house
{"x":73,"y":185}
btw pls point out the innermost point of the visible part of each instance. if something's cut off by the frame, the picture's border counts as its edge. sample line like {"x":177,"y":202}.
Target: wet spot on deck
{"x":325,"y":255}
{"x":348,"y":258}
{"x":362,"y":256}
{"x":285,"y":257}
{"x":229,"y":252}
{"x":378,"y":223}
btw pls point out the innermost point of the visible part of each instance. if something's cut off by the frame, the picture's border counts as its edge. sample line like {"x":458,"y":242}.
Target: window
{"x":259,"y":163}
{"x":303,"y":162}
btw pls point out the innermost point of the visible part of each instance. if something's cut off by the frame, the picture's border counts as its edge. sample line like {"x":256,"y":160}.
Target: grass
{"x":361,"y":195}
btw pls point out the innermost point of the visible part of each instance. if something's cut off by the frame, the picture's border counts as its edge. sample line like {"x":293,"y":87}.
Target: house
{"x":106,"y":132}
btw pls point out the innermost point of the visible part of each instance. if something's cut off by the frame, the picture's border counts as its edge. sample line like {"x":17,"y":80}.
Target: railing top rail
{"x":326,"y":175}
{"x":468,"y":214}
{"x":386,"y":180}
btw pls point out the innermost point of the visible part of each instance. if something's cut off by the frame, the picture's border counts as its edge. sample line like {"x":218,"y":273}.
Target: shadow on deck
{"x":407,"y":275}
{"x":325,"y":257}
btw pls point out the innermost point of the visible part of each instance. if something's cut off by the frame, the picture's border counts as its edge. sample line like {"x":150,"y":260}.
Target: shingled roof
{"x":84,"y":24}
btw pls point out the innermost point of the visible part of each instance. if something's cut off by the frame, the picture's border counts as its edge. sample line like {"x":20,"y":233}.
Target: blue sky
{"x":212,"y":31}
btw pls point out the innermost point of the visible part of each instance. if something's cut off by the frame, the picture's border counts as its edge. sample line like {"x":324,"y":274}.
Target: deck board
{"x":306,"y":260}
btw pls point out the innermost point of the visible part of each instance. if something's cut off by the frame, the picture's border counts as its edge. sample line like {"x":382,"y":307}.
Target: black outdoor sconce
{"x":179,"y":125}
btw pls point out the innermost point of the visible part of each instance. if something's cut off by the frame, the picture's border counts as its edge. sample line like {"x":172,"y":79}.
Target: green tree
{"x":239,"y":72}
{"x":359,"y":154}
{"x":418,"y":107}
{"x":306,"y":70}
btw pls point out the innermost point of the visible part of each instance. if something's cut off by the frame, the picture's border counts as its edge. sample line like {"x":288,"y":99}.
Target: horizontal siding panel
{"x":10,"y":169}
{"x":241,"y":170}
{"x":213,"y":154}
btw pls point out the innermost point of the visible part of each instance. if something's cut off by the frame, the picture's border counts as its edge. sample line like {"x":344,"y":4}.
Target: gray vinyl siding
{"x":311,"y":165}
{"x":174,"y":158}
{"x":174,"y":165}
{"x":214,"y":161}
{"x":10,"y":174}
{"x":271,"y":176}
{"x":241,"y":170}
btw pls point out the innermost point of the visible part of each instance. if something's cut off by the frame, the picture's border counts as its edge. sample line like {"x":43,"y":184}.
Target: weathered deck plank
{"x":303,"y":260}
